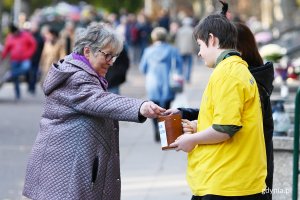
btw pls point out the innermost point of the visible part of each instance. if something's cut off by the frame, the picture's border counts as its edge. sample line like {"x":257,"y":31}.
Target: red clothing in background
{"x":20,"y":46}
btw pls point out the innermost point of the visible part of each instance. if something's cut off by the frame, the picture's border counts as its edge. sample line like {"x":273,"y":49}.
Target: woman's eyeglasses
{"x":109,"y":57}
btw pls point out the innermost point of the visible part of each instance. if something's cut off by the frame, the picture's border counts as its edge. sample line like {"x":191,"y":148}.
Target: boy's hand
{"x":189,"y":126}
{"x":185,"y":142}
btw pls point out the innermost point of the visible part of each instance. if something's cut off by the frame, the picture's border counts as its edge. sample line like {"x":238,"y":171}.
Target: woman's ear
{"x":86,"y":52}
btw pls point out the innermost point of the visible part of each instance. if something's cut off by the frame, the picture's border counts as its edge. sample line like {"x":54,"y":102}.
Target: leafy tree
{"x":115,"y":5}
{"x":109,"y":5}
{"x":7,"y":4}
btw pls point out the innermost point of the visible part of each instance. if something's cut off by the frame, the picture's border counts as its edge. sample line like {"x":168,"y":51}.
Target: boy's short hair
{"x":220,"y":27}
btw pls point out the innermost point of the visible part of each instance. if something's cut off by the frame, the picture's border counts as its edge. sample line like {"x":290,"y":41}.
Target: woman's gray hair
{"x":97,"y":36}
{"x":159,"y":34}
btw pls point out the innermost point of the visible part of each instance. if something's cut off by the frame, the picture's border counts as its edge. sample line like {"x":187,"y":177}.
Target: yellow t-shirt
{"x":236,"y":167}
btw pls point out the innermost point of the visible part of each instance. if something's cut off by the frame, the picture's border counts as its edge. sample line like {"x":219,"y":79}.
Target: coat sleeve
{"x":87,"y":96}
{"x":189,"y":113}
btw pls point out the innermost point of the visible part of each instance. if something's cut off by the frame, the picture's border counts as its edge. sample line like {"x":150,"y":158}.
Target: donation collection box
{"x":170,"y":128}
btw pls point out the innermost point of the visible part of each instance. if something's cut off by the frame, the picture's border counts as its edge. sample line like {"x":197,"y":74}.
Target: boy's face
{"x":207,"y":52}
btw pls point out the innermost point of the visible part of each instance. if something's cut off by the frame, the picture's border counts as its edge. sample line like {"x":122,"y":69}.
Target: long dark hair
{"x":247,"y":45}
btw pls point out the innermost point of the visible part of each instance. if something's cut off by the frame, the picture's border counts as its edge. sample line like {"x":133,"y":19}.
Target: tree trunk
{"x":267,"y":13}
{"x":284,"y":13}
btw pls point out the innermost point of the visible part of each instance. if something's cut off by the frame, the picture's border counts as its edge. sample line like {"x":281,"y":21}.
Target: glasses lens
{"x":108,"y":57}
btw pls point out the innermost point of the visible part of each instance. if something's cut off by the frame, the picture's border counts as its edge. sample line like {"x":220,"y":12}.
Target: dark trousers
{"x":32,"y":77}
{"x":258,"y":196}
{"x":19,"y":68}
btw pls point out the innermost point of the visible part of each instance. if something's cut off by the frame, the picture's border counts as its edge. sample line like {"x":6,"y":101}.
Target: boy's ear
{"x":214,"y":41}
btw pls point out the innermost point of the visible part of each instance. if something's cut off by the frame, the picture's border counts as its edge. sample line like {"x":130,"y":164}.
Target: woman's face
{"x":101,"y":60}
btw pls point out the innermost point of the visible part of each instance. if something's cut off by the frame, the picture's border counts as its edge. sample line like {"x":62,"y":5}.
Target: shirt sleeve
{"x":228,"y":101}
{"x":229,"y":129}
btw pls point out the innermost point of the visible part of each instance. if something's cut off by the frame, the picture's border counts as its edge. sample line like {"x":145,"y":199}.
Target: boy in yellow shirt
{"x":226,"y":152}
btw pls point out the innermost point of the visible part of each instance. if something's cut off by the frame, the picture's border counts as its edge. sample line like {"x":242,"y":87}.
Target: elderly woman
{"x":76,"y":152}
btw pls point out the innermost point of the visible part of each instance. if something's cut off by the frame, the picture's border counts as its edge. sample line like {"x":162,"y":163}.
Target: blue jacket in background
{"x":156,"y":65}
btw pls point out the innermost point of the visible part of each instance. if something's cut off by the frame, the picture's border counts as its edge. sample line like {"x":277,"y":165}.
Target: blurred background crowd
{"x":272,"y":21}
{"x":53,"y":25}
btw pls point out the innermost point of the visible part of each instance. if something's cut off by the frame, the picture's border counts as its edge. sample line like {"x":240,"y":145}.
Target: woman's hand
{"x":189,"y":126}
{"x":151,"y":110}
{"x":171,"y":111}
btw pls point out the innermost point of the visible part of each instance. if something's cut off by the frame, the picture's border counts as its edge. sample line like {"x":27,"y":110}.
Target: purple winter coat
{"x":76,"y":152}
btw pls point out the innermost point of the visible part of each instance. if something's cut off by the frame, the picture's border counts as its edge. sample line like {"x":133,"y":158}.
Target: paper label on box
{"x":163,"y":134}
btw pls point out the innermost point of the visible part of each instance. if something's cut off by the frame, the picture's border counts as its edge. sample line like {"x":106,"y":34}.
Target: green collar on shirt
{"x":225,"y":54}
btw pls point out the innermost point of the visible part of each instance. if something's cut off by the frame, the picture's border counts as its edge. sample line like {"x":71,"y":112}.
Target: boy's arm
{"x":187,"y":142}
{"x":210,"y":136}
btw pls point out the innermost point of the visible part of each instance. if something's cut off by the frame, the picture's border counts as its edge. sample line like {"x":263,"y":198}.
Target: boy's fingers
{"x":174,"y":144}
{"x":189,"y":123}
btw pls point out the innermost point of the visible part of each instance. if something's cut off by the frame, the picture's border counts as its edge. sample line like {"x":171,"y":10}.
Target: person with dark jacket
{"x":264,"y":76}
{"x":32,"y":76}
{"x":116,"y":75}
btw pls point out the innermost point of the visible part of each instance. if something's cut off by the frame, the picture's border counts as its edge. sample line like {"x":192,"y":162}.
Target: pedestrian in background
{"x":144,"y":28}
{"x":76,"y":152}
{"x":19,"y":46}
{"x":229,"y":128}
{"x":53,"y":51}
{"x":156,"y":64}
{"x":132,"y":37}
{"x":116,"y":75}
{"x":184,"y":41}
{"x":33,"y":74}
{"x":67,"y":37}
